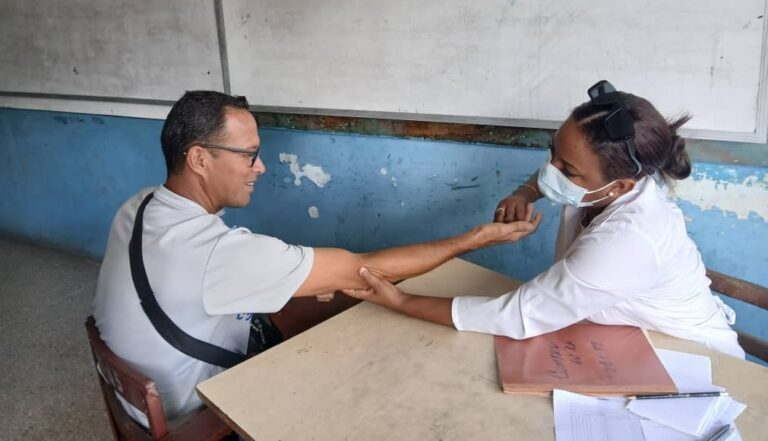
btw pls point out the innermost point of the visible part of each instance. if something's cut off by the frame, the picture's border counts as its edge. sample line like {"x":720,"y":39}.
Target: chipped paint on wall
{"x":314,"y":213}
{"x":700,"y":150}
{"x":473,"y":133}
{"x":740,"y":196}
{"x":312,"y":172}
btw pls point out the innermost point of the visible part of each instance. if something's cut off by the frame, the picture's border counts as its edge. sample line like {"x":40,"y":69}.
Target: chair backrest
{"x":746,"y":292}
{"x":116,"y":376}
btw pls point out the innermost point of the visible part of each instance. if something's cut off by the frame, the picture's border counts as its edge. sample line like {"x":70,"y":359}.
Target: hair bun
{"x":678,"y":164}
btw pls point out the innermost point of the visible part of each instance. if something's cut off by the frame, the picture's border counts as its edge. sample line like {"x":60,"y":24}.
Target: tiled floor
{"x":48,"y":388}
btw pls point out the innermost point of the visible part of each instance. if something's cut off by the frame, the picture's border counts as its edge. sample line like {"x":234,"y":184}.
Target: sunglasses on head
{"x":618,"y":123}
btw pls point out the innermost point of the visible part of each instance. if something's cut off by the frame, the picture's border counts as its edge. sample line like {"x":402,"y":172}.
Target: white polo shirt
{"x":207,"y":278}
{"x":634,"y":264}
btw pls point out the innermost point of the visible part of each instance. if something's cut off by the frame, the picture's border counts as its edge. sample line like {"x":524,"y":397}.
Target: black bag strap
{"x":174,"y":335}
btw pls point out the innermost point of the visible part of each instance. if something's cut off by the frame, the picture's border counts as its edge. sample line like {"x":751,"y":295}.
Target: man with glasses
{"x":181,"y":295}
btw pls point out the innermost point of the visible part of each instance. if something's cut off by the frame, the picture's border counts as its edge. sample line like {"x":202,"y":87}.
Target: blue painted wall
{"x":64,"y":175}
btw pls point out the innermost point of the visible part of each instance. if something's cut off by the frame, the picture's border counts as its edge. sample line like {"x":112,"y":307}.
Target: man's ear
{"x":197,"y":160}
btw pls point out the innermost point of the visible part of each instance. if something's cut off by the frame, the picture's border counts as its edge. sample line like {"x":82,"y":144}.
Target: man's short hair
{"x":196,"y":118}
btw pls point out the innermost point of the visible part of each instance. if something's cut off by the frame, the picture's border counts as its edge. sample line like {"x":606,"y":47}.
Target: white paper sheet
{"x":657,"y":432}
{"x":690,"y":372}
{"x":688,"y":415}
{"x":583,"y":418}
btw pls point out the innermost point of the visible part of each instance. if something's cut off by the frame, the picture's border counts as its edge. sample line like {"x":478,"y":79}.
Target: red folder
{"x":584,"y":358}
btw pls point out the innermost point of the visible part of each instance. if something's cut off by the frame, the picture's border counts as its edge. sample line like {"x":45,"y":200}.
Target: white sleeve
{"x":600,"y":270}
{"x":249,"y":272}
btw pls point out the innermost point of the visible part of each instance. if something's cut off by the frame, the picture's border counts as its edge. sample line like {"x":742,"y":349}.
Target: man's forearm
{"x":334,"y":268}
{"x":407,"y":261}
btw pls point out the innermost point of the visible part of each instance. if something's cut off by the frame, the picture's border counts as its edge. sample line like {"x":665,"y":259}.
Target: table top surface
{"x":373,"y":374}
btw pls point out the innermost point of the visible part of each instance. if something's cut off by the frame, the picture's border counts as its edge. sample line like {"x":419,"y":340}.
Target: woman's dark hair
{"x":659,"y":148}
{"x":196,"y":118}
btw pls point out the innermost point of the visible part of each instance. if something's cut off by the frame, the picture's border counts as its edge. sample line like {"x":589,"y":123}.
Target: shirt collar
{"x":162,"y":193}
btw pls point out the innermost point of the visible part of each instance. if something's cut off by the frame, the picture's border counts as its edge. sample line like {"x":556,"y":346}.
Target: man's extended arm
{"x":335,"y":268}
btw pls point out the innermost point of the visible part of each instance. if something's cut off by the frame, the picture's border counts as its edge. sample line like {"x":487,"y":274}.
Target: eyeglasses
{"x":254,"y":154}
{"x":618,"y":123}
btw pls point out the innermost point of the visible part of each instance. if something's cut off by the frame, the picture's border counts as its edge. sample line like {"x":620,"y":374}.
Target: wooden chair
{"x":746,"y":292}
{"x":302,"y":313}
{"x":116,"y":376}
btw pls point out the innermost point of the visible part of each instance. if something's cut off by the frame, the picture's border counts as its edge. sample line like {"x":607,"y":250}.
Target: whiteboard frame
{"x":158,"y":109}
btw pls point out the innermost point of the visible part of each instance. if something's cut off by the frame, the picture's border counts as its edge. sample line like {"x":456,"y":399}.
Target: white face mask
{"x":560,"y":190}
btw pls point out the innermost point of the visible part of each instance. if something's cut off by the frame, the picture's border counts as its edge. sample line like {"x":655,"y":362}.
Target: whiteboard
{"x":520,"y":63}
{"x":517,"y":63}
{"x":133,"y":49}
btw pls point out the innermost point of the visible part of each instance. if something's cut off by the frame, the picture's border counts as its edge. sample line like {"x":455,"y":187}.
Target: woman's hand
{"x":517,"y":206}
{"x":498,"y":233}
{"x":433,"y":309}
{"x":380,"y":292}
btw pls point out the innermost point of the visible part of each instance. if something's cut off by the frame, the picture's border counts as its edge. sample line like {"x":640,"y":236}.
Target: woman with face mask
{"x":623,"y":256}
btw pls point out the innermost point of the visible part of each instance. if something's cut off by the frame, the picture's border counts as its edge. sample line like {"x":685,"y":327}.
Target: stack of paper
{"x":579,"y":417}
{"x":697,"y":417}
{"x":691,"y":373}
{"x":654,"y":431}
{"x":693,"y":416}
{"x":582,"y":418}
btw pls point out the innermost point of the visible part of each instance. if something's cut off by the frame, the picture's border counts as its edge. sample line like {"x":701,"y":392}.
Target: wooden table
{"x":372,"y":374}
